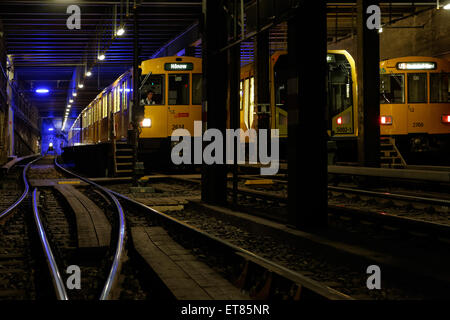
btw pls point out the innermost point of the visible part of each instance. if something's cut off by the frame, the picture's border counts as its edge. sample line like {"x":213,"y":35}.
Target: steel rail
{"x":394,"y":196}
{"x":114,"y":273}
{"x":25,"y":192}
{"x":307,"y":283}
{"x":379,"y":194}
{"x":57,"y":280}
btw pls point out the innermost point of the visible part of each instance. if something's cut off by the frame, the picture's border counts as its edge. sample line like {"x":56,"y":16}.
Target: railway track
{"x":410,"y":213}
{"x":254,"y":275}
{"x":17,"y":263}
{"x":55,"y":231}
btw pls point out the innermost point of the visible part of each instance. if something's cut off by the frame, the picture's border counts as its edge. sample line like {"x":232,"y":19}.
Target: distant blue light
{"x":50,"y":129}
{"x":42,"y":90}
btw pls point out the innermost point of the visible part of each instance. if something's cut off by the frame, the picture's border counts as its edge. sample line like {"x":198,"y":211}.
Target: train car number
{"x":343,"y":130}
{"x":417,"y":124}
{"x":177,"y":126}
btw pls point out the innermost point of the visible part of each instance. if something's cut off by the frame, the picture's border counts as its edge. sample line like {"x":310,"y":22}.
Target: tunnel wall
{"x":19,"y":120}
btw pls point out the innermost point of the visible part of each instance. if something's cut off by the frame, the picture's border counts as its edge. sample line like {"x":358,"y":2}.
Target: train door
{"x":178,"y":102}
{"x":280,"y":115}
{"x":116,"y":111}
{"x":125,"y":97}
{"x":393,"y":114}
{"x":418,"y":109}
{"x":440,"y":102}
{"x":196,"y":104}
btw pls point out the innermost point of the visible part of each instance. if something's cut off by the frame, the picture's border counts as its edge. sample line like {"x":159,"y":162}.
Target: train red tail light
{"x":446,"y":118}
{"x":339,"y":120}
{"x":386,"y":120}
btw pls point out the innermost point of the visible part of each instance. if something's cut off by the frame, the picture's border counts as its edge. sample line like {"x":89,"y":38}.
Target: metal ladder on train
{"x":123,"y":158}
{"x":390,"y":156}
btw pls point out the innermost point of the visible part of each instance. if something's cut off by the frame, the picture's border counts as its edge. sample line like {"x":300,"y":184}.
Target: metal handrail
{"x":113,"y":276}
{"x":58,"y":283}
{"x":25,"y":192}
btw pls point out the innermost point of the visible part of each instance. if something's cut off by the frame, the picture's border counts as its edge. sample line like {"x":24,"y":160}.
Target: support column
{"x":215,"y":83}
{"x":262,"y":61}
{"x":135,"y":112}
{"x":368,"y":76}
{"x":307,"y":137}
{"x":234,"y":61}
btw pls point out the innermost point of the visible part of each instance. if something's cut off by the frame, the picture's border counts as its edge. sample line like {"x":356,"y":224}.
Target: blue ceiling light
{"x":50,"y":129}
{"x":42,"y":91}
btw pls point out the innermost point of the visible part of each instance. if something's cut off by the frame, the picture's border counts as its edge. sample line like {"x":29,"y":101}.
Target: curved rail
{"x":307,"y":283}
{"x":58,"y":282}
{"x":114,"y":273}
{"x":25,"y":192}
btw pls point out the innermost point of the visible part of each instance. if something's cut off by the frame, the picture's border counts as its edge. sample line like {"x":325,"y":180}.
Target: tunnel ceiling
{"x":45,"y":52}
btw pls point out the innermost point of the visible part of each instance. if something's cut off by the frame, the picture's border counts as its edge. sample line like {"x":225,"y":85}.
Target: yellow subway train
{"x":171,"y":97}
{"x":414,"y":104}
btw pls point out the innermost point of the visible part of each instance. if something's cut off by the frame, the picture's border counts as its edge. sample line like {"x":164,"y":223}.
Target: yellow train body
{"x":176,"y":85}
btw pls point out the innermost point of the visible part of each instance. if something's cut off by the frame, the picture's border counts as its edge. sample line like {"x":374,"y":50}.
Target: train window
{"x":110,"y":105}
{"x":392,"y":88}
{"x":178,"y":89}
{"x":116,"y":100}
{"x":246,"y":87}
{"x":196,"y":89}
{"x":124,"y":94}
{"x":417,"y":87}
{"x":154,"y":84}
{"x":104,"y":107}
{"x":439,"y":87}
{"x":252,"y":102}
{"x":340,"y":95}
{"x":241,"y":92}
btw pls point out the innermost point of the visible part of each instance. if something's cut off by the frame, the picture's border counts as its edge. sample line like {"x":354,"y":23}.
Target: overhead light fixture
{"x":101,"y":57}
{"x":447,"y":6}
{"x":380,"y":30}
{"x":69,"y":106}
{"x":88,"y":74}
{"x":42,"y":90}
{"x":71,"y":100}
{"x":80,"y":85}
{"x":74,"y":94}
{"x":50,"y":129}
{"x":120,"y":31}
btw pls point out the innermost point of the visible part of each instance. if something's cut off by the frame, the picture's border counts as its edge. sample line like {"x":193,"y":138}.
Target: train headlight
{"x":146,"y":123}
{"x":446,"y":118}
{"x":339,"y":120}
{"x":386,"y":120}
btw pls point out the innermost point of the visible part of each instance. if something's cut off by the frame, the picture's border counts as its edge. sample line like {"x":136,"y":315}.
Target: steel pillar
{"x":307,"y":137}
{"x":262,"y":62}
{"x":134,"y":134}
{"x":215,"y":83}
{"x":368,"y":76}
{"x":234,"y":62}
